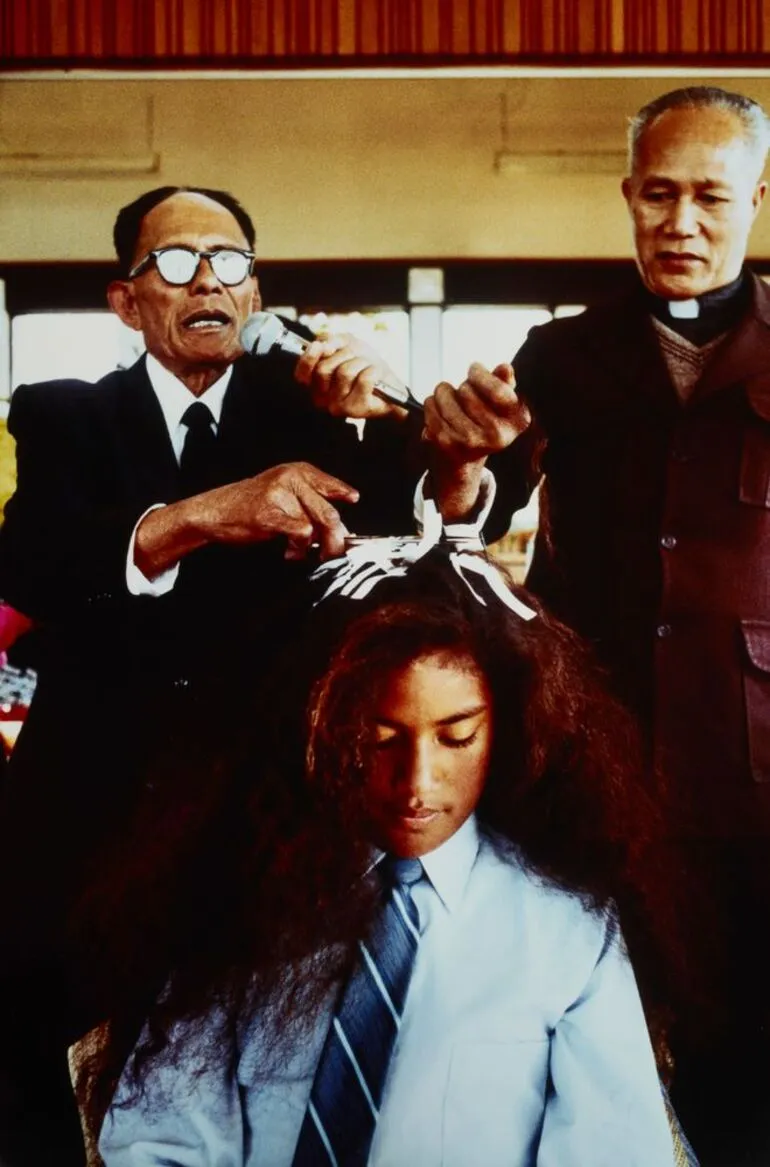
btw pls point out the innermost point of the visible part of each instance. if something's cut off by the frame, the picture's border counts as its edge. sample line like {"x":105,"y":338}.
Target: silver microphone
{"x":264,"y":333}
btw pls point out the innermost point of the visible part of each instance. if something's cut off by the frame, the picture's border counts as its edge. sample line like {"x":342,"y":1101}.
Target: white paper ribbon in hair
{"x":368,"y":561}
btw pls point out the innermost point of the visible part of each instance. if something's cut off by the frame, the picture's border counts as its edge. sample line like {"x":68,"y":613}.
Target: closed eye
{"x":458,"y":743}
{"x":386,"y":743}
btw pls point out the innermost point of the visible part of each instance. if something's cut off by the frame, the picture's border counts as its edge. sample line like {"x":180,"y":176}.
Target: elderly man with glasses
{"x":156,"y":514}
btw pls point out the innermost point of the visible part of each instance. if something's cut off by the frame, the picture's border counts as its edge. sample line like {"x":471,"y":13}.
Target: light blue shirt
{"x":522,"y":1044}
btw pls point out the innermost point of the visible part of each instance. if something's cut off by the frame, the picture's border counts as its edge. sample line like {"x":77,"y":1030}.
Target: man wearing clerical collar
{"x":693,"y":194}
{"x":651,"y":430}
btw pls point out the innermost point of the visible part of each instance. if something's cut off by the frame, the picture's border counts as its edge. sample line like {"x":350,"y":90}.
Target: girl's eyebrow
{"x":474,"y":711}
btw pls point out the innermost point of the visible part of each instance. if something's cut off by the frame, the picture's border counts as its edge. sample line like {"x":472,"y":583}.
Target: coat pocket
{"x":756,"y":688}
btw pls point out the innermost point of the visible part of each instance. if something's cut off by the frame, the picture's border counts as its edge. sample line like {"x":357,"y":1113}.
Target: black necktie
{"x":197,"y":461}
{"x":347,"y":1089}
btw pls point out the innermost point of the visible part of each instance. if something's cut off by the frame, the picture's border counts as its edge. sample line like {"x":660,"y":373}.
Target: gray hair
{"x":753,"y":119}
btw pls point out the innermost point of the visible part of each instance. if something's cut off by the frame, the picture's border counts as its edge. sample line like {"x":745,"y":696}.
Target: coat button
{"x":669,"y":542}
{"x":663,"y":630}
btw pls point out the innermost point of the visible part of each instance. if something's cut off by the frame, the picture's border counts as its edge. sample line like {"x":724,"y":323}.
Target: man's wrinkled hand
{"x":481,"y":417}
{"x":294,"y":499}
{"x":341,"y":372}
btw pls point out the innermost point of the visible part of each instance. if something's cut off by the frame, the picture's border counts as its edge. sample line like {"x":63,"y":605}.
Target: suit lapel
{"x":143,"y":439}
{"x":242,"y":425}
{"x":745,"y":355}
{"x":626,"y":348}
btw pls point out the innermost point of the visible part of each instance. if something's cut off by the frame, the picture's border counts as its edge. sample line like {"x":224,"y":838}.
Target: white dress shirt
{"x":174,"y":399}
{"x":522,"y":1044}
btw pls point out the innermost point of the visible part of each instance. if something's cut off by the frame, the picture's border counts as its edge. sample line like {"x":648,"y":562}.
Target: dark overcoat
{"x":656,"y":537}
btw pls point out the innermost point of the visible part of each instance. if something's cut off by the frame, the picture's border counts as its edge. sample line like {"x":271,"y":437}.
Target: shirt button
{"x":669,"y":542}
{"x":663,"y":630}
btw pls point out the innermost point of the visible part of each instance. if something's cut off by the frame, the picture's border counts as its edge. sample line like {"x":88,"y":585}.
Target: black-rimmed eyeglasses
{"x":178,"y":265}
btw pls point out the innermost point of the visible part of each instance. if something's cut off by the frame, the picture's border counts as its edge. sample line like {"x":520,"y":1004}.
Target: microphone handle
{"x":405,"y":398}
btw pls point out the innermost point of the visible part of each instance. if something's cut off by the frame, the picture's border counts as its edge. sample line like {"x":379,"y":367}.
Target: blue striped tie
{"x":347,"y":1090}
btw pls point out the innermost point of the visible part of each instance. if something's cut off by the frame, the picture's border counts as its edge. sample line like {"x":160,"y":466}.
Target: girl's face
{"x":432,"y":741}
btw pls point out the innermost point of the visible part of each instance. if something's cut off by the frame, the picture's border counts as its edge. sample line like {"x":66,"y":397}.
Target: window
{"x":47,"y":345}
{"x":485,"y":333}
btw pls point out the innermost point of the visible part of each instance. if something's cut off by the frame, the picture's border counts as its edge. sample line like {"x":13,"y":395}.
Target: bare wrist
{"x":456,"y":488}
{"x":165,"y":536}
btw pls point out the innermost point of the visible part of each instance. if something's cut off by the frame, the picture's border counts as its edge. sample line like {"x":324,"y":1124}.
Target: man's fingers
{"x":327,"y":484}
{"x":321,"y":359}
{"x":316,"y":352}
{"x":295,"y":550}
{"x":294,"y":499}
{"x":316,"y":521}
{"x":431,"y":417}
{"x":332,"y":541}
{"x":486,"y":398}
{"x":458,"y":413}
{"x":341,"y":376}
{"x":482,"y":416}
{"x":505,"y":373}
{"x":327,"y":526}
{"x":496,"y":391}
{"x":312,"y":490}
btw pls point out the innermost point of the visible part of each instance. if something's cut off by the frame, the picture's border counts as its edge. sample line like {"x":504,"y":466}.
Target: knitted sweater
{"x":685,"y":361}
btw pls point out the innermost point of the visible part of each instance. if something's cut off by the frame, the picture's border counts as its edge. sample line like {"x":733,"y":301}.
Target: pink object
{"x":13,"y":624}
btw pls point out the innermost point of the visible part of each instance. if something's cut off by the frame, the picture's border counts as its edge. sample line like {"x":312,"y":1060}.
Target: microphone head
{"x":261,"y":333}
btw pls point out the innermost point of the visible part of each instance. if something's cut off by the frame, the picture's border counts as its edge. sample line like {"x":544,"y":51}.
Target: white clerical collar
{"x":174,"y":397}
{"x":684,"y":309}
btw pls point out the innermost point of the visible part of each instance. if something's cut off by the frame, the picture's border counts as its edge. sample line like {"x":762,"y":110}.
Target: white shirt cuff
{"x":472,"y":527}
{"x":136,"y":581}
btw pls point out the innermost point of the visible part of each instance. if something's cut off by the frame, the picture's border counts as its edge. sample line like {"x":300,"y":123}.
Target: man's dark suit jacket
{"x":123,"y":677}
{"x":656,"y":537}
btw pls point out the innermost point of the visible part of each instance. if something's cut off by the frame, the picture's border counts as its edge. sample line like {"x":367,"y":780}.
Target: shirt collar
{"x":449,"y":867}
{"x":174,"y":397}
{"x":707,"y":316}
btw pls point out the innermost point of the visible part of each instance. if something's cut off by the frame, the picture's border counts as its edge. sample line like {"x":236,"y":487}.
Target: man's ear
{"x":121,"y":298}
{"x":625,"y":186}
{"x":256,"y":297}
{"x":759,"y":194}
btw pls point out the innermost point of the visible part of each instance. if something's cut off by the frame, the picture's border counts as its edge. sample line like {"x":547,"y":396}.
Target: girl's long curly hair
{"x":247,"y":861}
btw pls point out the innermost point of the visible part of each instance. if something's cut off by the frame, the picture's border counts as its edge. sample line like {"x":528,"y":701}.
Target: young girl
{"x":433,"y":716}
